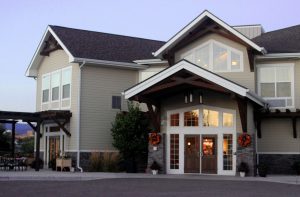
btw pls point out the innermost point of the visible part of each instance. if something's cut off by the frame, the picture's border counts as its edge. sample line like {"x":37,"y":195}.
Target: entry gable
{"x":206,"y":22}
{"x":206,"y":75}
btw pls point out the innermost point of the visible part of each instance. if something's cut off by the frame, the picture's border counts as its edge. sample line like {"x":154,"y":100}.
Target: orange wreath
{"x":154,"y":138}
{"x":244,"y":140}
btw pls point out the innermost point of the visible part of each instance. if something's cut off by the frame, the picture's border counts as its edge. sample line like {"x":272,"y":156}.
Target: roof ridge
{"x":113,"y":34}
{"x":281,"y":29}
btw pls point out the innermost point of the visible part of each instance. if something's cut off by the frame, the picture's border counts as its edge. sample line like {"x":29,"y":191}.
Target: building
{"x":210,"y":88}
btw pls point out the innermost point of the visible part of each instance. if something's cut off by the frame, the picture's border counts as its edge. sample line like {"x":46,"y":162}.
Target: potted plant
{"x":243,"y":168}
{"x":155,"y":168}
{"x":262,"y":170}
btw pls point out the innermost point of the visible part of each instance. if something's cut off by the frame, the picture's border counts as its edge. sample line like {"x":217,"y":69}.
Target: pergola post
{"x":37,"y":146}
{"x":13,"y":135}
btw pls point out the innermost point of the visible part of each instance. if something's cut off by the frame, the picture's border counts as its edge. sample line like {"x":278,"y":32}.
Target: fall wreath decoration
{"x":244,"y":140}
{"x":154,"y":138}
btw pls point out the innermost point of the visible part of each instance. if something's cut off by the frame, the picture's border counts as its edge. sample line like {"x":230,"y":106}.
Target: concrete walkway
{"x":77,"y":176}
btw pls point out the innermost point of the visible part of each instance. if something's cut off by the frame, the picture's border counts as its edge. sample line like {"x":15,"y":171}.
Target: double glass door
{"x":54,"y":149}
{"x":200,"y":154}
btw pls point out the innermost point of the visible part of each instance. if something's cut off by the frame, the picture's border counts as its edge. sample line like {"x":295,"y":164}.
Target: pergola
{"x":34,"y":120}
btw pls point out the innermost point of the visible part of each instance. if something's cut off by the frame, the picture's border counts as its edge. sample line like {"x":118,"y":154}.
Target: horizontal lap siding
{"x":99,"y":84}
{"x":58,"y":60}
{"x":277,"y":136}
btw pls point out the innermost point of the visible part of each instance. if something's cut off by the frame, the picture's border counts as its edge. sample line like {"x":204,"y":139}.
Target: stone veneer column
{"x":247,"y":155}
{"x":157,"y":155}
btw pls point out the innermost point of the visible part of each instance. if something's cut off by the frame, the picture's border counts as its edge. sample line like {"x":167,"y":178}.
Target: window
{"x":227,"y":120}
{"x":45,"y":88}
{"x":55,"y":83}
{"x":191,"y":118}
{"x":216,"y":57}
{"x":210,"y":118}
{"x":116,"y":102}
{"x":275,"y":84}
{"x":174,"y":151}
{"x":174,"y":120}
{"x":227,"y":152}
{"x":66,"y":83}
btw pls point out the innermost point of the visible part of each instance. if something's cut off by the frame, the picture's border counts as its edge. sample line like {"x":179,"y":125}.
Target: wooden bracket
{"x":294,"y":127}
{"x":62,"y":126}
{"x":242,"y":105}
{"x":155,"y":116}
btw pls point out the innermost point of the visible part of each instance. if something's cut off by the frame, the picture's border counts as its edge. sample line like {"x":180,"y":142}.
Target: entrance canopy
{"x":60,"y":117}
{"x":185,"y":76}
{"x":198,"y":77}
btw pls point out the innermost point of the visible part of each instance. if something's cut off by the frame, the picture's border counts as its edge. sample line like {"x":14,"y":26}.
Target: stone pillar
{"x":157,"y":155}
{"x":247,"y":155}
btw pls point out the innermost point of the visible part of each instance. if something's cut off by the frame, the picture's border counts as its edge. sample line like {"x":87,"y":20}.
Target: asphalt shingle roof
{"x":285,"y":40}
{"x":104,"y":46}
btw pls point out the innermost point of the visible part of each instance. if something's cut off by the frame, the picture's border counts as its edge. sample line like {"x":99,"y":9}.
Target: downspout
{"x":78,"y":124}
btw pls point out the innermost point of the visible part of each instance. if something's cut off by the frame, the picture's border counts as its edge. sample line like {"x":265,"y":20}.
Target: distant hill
{"x":20,"y":128}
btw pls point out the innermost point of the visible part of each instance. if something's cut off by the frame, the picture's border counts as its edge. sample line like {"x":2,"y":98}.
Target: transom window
{"x":174,"y":120}
{"x":275,"y":84}
{"x":191,"y":118}
{"x":210,"y":118}
{"x":227,"y":120}
{"x":216,"y":57}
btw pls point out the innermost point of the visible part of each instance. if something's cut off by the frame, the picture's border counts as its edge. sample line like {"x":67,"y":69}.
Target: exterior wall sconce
{"x":188,"y":97}
{"x":200,"y":98}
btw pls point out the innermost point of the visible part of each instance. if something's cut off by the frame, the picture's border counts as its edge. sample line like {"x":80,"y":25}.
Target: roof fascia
{"x":150,"y":61}
{"x":183,"y":64}
{"x":198,"y":20}
{"x":31,"y":71}
{"x":123,"y":65}
{"x":278,"y":55}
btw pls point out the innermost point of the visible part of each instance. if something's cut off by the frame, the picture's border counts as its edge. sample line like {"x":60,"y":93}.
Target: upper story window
{"x":66,"y":83}
{"x":191,"y":118}
{"x":116,"y":102}
{"x":56,"y":86}
{"x":216,"y":57}
{"x":210,"y":118}
{"x":276,"y":84}
{"x":55,"y":83}
{"x":45,"y":88}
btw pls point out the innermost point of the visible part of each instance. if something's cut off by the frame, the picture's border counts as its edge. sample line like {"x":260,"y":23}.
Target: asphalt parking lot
{"x":147,"y":187}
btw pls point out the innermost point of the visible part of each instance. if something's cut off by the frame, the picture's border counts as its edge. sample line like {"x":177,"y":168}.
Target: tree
{"x":27,"y":145}
{"x":4,"y":139}
{"x":130,"y":133}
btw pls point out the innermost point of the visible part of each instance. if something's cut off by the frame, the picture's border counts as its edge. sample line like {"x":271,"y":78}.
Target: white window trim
{"x":292,"y":66}
{"x":200,"y":130}
{"x":49,"y":99}
{"x":61,"y":84}
{"x":210,"y":43}
{"x":60,"y":99}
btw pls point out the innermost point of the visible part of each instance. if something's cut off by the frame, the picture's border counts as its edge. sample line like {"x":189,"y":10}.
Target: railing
{"x":8,"y":163}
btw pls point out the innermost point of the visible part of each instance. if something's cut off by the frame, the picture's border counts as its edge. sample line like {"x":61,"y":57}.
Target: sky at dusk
{"x":23,"y":22}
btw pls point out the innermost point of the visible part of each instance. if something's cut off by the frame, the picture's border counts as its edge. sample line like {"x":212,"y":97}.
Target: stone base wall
{"x":247,"y":155}
{"x":86,"y":158}
{"x":279,"y":163}
{"x":73,"y":156}
{"x":157,"y":155}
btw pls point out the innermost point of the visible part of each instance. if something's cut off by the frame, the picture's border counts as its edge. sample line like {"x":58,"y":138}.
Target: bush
{"x":262,"y":170}
{"x":130,"y":135}
{"x":243,"y":167}
{"x":104,"y":162}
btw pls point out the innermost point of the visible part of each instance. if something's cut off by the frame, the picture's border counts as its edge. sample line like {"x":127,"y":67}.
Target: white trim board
{"x":183,"y":64}
{"x":192,"y":25}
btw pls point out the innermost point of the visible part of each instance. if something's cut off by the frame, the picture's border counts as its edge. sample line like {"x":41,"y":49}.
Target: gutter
{"x":104,"y":63}
{"x":278,"y":55}
{"x":78,"y":123}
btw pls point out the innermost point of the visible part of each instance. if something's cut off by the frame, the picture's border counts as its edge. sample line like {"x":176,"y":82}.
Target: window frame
{"x":112,"y":102}
{"x":275,"y":66}
{"x":59,"y":85}
{"x":49,"y":88}
{"x":210,"y":44}
{"x":62,"y":84}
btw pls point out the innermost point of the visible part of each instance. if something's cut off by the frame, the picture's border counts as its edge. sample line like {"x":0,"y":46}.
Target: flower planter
{"x":154,"y":172}
{"x":242,"y":174}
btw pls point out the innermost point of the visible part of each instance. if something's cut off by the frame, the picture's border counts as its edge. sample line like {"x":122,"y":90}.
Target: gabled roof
{"x":105,"y":46}
{"x":96,"y":47}
{"x":285,"y":40}
{"x":196,"y":22}
{"x":203,"y":73}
